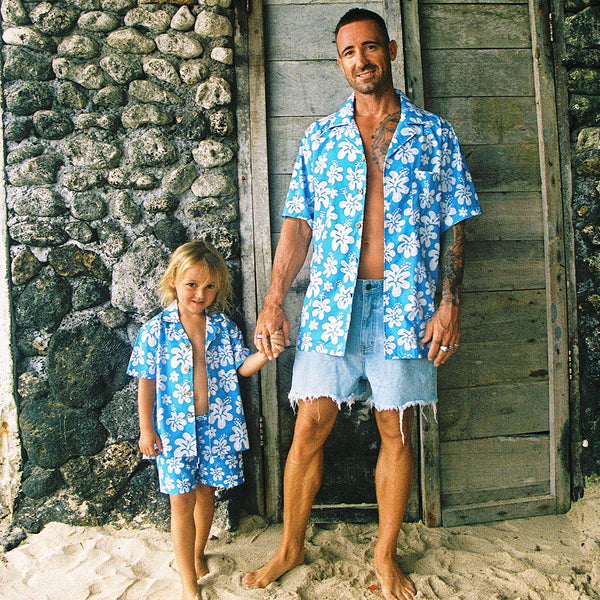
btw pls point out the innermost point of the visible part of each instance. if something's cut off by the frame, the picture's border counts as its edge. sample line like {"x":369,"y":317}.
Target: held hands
{"x":272,"y":331}
{"x":443,"y":331}
{"x":275,"y":342}
{"x":149,"y":443}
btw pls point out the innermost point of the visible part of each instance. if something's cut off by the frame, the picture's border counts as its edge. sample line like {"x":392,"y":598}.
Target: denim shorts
{"x":363,"y":373}
{"x":181,"y":474}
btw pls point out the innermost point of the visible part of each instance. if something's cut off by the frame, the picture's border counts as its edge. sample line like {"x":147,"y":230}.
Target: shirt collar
{"x":411,"y":114}
{"x":171,"y":314}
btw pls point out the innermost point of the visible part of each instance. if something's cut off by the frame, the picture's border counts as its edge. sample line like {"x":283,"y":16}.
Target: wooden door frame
{"x":257,"y":251}
{"x":253,"y":184}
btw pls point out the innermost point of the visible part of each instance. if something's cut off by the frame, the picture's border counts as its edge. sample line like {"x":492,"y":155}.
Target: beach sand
{"x":539,"y":558}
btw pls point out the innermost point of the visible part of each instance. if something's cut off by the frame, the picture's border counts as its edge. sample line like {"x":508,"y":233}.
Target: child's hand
{"x":277,"y":343}
{"x":150,"y":443}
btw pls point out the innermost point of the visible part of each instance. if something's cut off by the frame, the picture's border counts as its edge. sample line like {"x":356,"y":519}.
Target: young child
{"x":187,"y":359}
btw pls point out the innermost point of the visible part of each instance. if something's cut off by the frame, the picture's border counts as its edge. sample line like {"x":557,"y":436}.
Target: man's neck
{"x":373,"y":106}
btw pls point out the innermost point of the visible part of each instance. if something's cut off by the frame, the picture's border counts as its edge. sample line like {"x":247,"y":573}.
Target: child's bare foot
{"x":201,"y":567}
{"x":190,"y":593}
{"x":280,"y":563}
{"x":395,"y":585}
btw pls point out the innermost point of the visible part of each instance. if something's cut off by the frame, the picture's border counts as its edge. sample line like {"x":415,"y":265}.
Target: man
{"x":380,"y":189}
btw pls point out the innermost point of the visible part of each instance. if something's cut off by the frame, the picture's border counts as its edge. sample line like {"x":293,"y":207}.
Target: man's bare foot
{"x":201,"y":567}
{"x":395,"y":585}
{"x":281,"y":563}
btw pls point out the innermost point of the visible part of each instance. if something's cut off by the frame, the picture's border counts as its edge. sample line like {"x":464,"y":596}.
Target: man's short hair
{"x":362,"y":14}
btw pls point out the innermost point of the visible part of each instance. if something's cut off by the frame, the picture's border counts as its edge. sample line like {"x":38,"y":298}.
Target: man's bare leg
{"x":301,"y":482}
{"x":393,"y":480}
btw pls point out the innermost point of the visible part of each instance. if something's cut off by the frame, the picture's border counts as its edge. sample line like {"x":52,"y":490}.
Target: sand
{"x":540,"y":558}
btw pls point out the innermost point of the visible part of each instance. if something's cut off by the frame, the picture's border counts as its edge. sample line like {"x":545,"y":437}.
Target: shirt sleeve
{"x":240,"y":351}
{"x":459,"y":199}
{"x":299,"y":203}
{"x":144,"y":355}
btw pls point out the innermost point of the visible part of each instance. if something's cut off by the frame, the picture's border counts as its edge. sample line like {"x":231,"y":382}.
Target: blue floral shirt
{"x":427,"y":189}
{"x":163,"y":352}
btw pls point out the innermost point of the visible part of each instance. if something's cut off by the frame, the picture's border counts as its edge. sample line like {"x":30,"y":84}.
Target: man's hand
{"x":443,"y":331}
{"x":271,"y":322}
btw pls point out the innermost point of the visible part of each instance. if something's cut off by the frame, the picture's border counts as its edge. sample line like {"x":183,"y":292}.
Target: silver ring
{"x":453,"y":347}
{"x":444,"y":348}
{"x":258,"y":336}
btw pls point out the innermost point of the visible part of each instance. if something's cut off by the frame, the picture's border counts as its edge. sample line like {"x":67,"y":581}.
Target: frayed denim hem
{"x":402,"y":408}
{"x":348,"y":402}
{"x":295,"y":400}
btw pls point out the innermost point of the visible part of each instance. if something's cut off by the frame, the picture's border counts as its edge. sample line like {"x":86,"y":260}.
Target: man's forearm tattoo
{"x":453,"y":262}
{"x":382,"y":137}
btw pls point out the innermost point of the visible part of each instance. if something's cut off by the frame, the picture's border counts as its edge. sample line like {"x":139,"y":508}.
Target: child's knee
{"x":182,"y":503}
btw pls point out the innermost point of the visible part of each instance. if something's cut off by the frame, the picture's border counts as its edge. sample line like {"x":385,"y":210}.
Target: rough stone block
{"x":88,"y":207}
{"x":27,"y":97}
{"x":28,"y":37}
{"x":130,"y":41}
{"x":136,"y":277}
{"x":40,"y":231}
{"x":51,"y":124}
{"x":181,"y":45}
{"x":214,"y":92}
{"x":53,"y":433}
{"x":52,"y":19}
{"x":86,"y":365}
{"x":71,"y":261}
{"x":24,"y":267}
{"x":44,"y":302}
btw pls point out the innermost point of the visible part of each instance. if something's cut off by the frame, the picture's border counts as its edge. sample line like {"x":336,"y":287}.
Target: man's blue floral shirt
{"x":163,"y":352}
{"x":427,"y":190}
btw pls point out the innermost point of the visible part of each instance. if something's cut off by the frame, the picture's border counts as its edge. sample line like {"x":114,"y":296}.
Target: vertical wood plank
{"x":412,"y":52}
{"x":392,"y":14}
{"x":555,"y":251}
{"x":254,"y":467}
{"x":429,"y":467}
{"x":256,"y":244}
{"x":562,"y":104}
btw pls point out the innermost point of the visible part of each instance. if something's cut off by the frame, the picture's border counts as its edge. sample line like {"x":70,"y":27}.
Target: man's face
{"x":365,"y":57}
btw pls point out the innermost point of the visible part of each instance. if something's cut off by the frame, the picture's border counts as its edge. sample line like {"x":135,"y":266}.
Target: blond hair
{"x":189,"y":255}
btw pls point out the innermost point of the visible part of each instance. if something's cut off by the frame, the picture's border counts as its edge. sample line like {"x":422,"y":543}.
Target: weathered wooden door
{"x":503,"y":410}
{"x":496,"y":450}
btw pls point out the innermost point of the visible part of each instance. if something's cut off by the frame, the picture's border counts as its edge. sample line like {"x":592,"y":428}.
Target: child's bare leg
{"x":203,"y":516}
{"x":184,"y":539}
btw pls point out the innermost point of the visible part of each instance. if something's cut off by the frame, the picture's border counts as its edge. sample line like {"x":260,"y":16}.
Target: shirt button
{"x":188,"y":394}
{"x":190,"y":415}
{"x":358,"y":225}
{"x":186,"y":369}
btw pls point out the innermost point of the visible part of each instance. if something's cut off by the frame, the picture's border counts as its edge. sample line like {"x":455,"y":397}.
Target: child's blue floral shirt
{"x":163,"y":352}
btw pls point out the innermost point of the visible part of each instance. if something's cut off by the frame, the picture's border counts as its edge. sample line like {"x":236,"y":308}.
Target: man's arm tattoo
{"x":453,"y":262}
{"x":382,"y":137}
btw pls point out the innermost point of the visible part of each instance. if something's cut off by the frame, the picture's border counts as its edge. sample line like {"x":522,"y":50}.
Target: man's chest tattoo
{"x":382,"y":137}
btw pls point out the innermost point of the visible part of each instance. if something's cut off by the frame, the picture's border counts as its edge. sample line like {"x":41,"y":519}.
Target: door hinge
{"x":551,"y":24}
{"x":261,"y":431}
{"x":570,"y":365}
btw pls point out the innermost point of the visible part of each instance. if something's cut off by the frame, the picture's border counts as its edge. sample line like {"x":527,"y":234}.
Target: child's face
{"x":196,"y":289}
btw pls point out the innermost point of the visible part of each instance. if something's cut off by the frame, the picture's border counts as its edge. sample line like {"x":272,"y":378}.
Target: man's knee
{"x":314,"y":421}
{"x":395,"y":427}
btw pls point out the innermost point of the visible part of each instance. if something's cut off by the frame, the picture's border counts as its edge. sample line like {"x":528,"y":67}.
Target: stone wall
{"x":582,"y":39}
{"x":120,"y":144}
